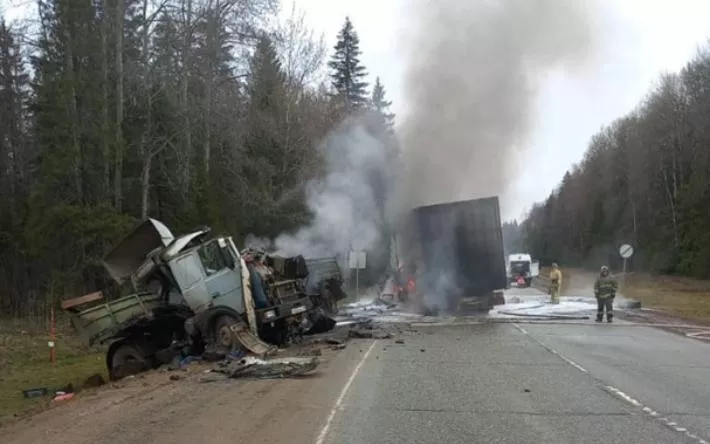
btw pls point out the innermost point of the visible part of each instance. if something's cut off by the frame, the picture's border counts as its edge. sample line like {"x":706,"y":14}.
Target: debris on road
{"x":35,"y":392}
{"x":251,"y":367}
{"x":93,"y":381}
{"x":63,"y":396}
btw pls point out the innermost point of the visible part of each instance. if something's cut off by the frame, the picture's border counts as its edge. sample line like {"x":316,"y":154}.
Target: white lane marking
{"x":552,"y":350}
{"x":336,"y":407}
{"x":655,"y":415}
{"x":647,"y":410}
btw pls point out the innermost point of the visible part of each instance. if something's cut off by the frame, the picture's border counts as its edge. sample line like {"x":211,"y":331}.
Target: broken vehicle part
{"x":251,"y":367}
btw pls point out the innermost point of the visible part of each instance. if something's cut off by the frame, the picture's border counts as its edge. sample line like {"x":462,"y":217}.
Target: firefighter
{"x":605,"y":288}
{"x":555,"y":283}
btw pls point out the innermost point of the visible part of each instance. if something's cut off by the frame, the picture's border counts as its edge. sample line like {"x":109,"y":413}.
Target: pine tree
{"x":272,"y":156}
{"x":381,"y":105}
{"x":348,"y":73}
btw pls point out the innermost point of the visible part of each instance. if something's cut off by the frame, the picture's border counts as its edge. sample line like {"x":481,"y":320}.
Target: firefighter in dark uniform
{"x":605,"y":288}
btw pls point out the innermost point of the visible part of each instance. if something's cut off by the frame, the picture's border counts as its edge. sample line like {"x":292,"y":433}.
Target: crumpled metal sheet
{"x":251,"y":367}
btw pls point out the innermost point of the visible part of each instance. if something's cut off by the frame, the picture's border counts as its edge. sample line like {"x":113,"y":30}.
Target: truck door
{"x":224,"y":276}
{"x":190,"y":276}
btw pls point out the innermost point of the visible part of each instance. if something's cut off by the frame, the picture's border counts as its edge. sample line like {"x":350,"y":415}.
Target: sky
{"x":638,"y":40}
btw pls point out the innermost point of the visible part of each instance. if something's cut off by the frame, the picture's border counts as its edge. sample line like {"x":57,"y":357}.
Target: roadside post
{"x":52,"y":335}
{"x":625,"y":251}
{"x":357,"y":261}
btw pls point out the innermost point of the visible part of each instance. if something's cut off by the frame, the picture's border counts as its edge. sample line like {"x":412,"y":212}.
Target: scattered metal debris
{"x":251,"y":367}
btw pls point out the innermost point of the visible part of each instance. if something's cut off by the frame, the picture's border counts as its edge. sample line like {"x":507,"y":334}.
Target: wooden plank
{"x":91,"y":297}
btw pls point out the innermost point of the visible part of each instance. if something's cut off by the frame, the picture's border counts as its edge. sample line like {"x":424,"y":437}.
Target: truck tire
{"x":222,"y":335}
{"x":127,"y":359}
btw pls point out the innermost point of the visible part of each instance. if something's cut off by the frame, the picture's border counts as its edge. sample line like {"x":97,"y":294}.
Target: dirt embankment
{"x":191,"y":402}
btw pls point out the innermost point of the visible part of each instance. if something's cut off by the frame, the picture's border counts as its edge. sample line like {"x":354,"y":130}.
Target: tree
{"x":147,"y":108}
{"x":643,"y":180}
{"x":381,"y":105}
{"x":274,"y":162}
{"x":347,"y":72}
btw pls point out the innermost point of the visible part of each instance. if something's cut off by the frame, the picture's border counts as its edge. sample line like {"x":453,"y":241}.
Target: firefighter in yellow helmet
{"x":605,"y":288}
{"x":555,"y":283}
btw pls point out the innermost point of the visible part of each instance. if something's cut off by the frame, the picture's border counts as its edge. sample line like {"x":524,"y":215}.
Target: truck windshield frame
{"x":212,"y":257}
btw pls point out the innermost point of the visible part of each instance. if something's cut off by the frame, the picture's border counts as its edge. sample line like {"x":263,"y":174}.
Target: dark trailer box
{"x":464,"y":240}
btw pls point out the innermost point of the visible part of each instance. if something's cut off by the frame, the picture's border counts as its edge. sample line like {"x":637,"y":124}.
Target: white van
{"x":521,"y":269}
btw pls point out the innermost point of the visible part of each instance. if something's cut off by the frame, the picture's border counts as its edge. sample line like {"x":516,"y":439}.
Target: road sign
{"x":626,"y":251}
{"x":357,"y":260}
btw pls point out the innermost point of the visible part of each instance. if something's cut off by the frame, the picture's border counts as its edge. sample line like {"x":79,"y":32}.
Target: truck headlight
{"x":271,"y":314}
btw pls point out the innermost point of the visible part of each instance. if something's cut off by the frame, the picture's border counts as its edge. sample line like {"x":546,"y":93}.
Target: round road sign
{"x":626,"y":251}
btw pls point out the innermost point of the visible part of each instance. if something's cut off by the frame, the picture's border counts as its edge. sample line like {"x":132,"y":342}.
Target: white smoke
{"x":346,"y":203}
{"x":258,"y":243}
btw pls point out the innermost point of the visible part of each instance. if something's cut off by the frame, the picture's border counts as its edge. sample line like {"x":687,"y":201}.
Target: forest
{"x":644,"y":181}
{"x":193,"y":112}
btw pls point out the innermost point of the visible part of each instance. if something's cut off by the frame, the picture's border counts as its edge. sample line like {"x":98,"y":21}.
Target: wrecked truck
{"x":193,"y":293}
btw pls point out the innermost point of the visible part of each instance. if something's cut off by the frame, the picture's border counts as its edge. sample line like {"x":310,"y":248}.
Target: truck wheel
{"x":128,"y":359}
{"x":222,"y":334}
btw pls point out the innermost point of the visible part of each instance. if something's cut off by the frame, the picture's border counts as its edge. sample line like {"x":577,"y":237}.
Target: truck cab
{"x":521,"y":269}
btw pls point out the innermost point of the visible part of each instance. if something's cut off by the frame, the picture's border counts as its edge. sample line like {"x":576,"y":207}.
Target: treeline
{"x":193,"y":112}
{"x":644,"y":180}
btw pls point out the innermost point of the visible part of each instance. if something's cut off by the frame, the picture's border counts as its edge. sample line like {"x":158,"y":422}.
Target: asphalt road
{"x":528,"y":384}
{"x":495,"y":383}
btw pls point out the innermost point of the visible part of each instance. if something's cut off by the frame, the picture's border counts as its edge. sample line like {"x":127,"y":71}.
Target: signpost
{"x":357,"y":260}
{"x":625,"y":251}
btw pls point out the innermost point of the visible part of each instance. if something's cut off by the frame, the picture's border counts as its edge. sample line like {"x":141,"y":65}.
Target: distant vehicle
{"x":195,"y":292}
{"x":456,"y":251}
{"x":521,"y":269}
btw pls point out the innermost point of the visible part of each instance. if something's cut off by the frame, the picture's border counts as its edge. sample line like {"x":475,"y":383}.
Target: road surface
{"x":493,"y":383}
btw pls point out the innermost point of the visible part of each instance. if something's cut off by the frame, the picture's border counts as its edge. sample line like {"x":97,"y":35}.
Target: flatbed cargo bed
{"x":97,"y":320}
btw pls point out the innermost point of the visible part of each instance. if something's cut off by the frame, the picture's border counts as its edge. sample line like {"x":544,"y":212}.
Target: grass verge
{"x":684,"y":297}
{"x":24,"y":364}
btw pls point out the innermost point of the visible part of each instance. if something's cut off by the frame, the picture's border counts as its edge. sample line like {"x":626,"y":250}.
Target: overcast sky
{"x":639,"y":39}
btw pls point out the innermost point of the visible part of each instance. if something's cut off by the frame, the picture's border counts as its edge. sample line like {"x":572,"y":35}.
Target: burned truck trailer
{"x":457,"y":254}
